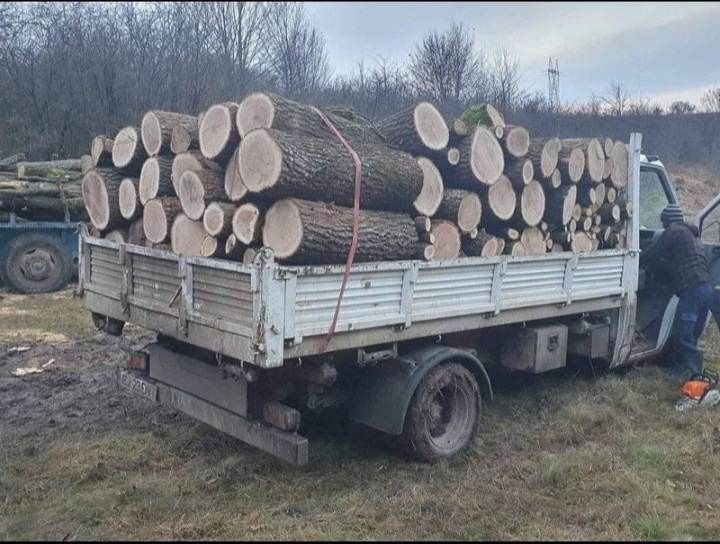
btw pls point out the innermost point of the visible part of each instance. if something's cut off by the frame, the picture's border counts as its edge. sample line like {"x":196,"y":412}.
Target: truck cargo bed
{"x":266,"y":313}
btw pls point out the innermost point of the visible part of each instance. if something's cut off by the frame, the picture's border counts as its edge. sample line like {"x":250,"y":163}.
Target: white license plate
{"x":138,"y":386}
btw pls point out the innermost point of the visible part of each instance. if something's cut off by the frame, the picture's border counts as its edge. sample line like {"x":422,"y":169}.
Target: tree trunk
{"x":447,"y":240}
{"x":184,"y":138}
{"x":481,"y":159}
{"x":301,"y":231}
{"x":128,"y":153}
{"x":415,"y":130}
{"x":49,"y":168}
{"x":198,"y":188}
{"x":158,"y":216}
{"x":101,"y":151}
{"x":519,"y":172}
{"x":157,"y":127}
{"x":247,"y":222}
{"x":515,"y":142}
{"x":235,"y":188}
{"x":217,"y":133}
{"x":464,"y":208}
{"x":498,"y":202}
{"x":284,"y":165}
{"x":483,"y":245}
{"x":560,"y":208}
{"x":544,"y":155}
{"x":155,"y":179}
{"x":100,"y":190}
{"x":217,"y":219}
{"x":187,"y":236}
{"x":128,"y":201}
{"x":191,"y":160}
{"x":266,"y":110}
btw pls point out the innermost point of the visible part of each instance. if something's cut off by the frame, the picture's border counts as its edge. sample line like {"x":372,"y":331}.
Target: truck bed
{"x":266,"y":313}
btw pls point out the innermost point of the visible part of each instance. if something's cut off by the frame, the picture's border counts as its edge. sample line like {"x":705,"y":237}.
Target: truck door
{"x":708,"y":222}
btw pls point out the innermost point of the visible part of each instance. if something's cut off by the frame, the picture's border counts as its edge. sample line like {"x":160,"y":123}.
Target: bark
{"x":561,"y":206}
{"x":136,"y":233}
{"x":234,"y":250}
{"x":158,"y":216}
{"x":191,"y":160}
{"x":483,"y":245}
{"x":461,"y":207}
{"x":431,"y":194}
{"x":217,"y":133}
{"x":279,"y":164}
{"x":594,"y":155}
{"x":198,"y":188}
{"x":10,"y":163}
{"x":66,"y":167}
{"x":217,"y":219}
{"x":301,"y":231}
{"x":100,"y":190}
{"x":415,"y":130}
{"x":571,"y":163}
{"x":519,"y":172}
{"x":235,"y":188}
{"x":157,"y":127}
{"x":610,"y":213}
{"x":156,"y":179}
{"x":586,"y":195}
{"x":101,"y":151}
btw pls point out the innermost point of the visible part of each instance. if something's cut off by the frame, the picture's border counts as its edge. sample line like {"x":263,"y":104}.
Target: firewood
{"x":155,"y":179}
{"x":157,"y":127}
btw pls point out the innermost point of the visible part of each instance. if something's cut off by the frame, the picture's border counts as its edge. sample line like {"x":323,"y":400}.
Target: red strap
{"x":356,"y":224}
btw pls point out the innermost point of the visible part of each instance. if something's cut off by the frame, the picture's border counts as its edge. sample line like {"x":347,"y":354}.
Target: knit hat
{"x":672,"y":214}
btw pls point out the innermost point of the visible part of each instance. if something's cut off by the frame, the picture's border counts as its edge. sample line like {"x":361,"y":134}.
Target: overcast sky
{"x":662,"y":51}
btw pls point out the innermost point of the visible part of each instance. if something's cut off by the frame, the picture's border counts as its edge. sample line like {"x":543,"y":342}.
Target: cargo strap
{"x":356,"y":223}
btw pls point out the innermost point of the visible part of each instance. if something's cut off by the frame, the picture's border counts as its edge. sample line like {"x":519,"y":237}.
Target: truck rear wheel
{"x":109,"y":325}
{"x":36,"y":263}
{"x":443,"y":413}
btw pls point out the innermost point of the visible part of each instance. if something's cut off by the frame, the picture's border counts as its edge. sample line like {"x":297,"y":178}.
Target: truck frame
{"x":245,"y":348}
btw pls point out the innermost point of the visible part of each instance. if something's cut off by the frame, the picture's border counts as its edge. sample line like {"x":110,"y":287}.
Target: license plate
{"x":138,"y":386}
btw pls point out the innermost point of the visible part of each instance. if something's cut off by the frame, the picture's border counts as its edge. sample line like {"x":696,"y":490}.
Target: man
{"x":679,"y":256}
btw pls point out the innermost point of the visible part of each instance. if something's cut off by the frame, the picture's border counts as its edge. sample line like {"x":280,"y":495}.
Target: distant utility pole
{"x":554,"y":89}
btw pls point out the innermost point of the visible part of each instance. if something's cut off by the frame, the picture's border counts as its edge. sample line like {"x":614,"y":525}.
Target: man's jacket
{"x":679,"y":256}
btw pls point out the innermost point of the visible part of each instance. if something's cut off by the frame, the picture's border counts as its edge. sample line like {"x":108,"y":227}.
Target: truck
{"x":246,"y":349}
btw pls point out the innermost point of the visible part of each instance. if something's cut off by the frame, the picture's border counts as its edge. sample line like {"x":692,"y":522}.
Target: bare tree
{"x":617,"y":99}
{"x":682,"y":106}
{"x":504,"y":80}
{"x":711,"y":101}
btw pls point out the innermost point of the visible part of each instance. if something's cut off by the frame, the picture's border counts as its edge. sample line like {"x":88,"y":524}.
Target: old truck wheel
{"x":109,"y":325}
{"x":37,"y":263}
{"x":443,"y":414}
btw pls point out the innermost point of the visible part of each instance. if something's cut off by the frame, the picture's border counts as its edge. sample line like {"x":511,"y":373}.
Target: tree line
{"x":71,"y":70}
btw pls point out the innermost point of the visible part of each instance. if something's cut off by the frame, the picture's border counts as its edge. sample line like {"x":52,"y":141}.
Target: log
{"x":453,"y":156}
{"x":531,"y":208}
{"x":184,"y":138}
{"x":217,"y":219}
{"x":544,"y":155}
{"x":301,"y":231}
{"x":577,"y":212}
{"x":249,"y":255}
{"x":128,"y":200}
{"x":50,"y":168}
{"x":462,"y":207}
{"x":519,"y":172}
{"x":235,"y":188}
{"x":594,"y":156}
{"x":157,"y":127}
{"x":562,"y":237}
{"x":431,"y":194}
{"x":128,"y":153}
{"x":515,"y":142}
{"x":423,"y":224}
{"x":101,"y":151}
{"x":119,"y":236}
{"x":211,"y":247}
{"x":608,"y":168}
{"x":86,"y":164}
{"x":267,"y":110}
{"x":610,"y":194}
{"x":516,"y":249}
{"x":187,"y":236}
{"x":581,"y":243}
{"x":191,"y":160}
{"x":498,"y":202}
{"x":234,"y":250}
{"x":10,"y":163}
{"x":610,"y":213}
{"x":481,"y":159}
{"x":415,"y":130}
{"x":24,"y":188}
{"x":158,"y":216}
{"x":586,"y":195}
{"x":136,"y":233}
{"x":156,"y":179}
{"x":484,"y":114}
{"x":100,"y":190}
{"x":608,"y":146}
{"x":483,"y":245}
{"x":571,"y":163}
{"x":506,"y":233}
{"x":619,"y":172}
{"x":425,"y":251}
{"x":561,"y":207}
{"x":447,"y":240}
{"x":586,"y":224}
{"x":217,"y":133}
{"x":533,"y":240}
{"x":280,"y":165}
{"x":600,"y":195}
{"x":246,"y":223}
{"x":43,"y":208}
{"x":197,"y":189}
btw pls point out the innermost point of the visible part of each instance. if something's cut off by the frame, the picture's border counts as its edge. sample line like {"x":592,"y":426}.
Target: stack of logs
{"x":42,"y":191}
{"x":268,"y":171}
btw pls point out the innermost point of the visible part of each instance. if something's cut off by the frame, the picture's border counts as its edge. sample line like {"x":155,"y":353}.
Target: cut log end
{"x":516,"y":141}
{"x":180,"y":139}
{"x":215,"y":219}
{"x":210,"y":247}
{"x":155,"y":222}
{"x":447,"y":242}
{"x":255,"y":111}
{"x":149,"y":180}
{"x":128,"y":199}
{"x":431,"y":127}
{"x":96,"y":200}
{"x":260,"y":161}
{"x":125,"y":147}
{"x":235,"y":187}
{"x":217,"y":132}
{"x":430,"y":197}
{"x":469,"y":212}
{"x":502,"y":199}
{"x":532,"y":203}
{"x":283,"y":229}
{"x":453,"y":156}
{"x":486,"y":156}
{"x":187,"y":236}
{"x":246,"y":223}
{"x":151,"y":133}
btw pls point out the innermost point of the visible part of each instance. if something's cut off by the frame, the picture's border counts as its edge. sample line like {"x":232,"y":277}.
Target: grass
{"x":560,"y":458}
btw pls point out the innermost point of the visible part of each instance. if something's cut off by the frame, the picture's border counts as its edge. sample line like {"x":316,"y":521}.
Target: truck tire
{"x":443,"y":414}
{"x":109,"y":325}
{"x":37,"y":263}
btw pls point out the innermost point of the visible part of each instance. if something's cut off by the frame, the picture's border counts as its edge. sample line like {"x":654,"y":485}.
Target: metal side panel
{"x":598,"y":275}
{"x":526,"y":283}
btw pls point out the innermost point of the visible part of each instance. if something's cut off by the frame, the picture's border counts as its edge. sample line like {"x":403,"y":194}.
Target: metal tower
{"x":553,"y":85}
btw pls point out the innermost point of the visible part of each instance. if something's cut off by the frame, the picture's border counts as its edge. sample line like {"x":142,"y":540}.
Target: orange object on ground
{"x":695,"y":389}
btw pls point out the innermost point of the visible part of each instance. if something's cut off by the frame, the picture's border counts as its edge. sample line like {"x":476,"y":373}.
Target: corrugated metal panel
{"x":369,"y":298}
{"x":528,"y":282}
{"x":154,"y":280}
{"x":222,"y":294}
{"x":463,"y":288}
{"x":597,"y":276}
{"x":105,"y":272}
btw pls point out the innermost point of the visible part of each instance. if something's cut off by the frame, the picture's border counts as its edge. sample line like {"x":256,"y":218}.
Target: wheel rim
{"x":36,"y":264}
{"x":450,"y":418}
